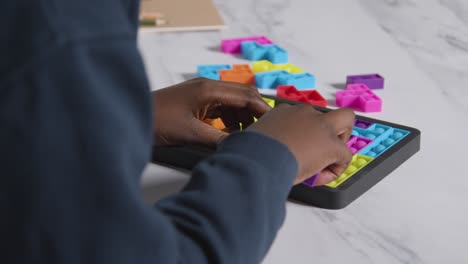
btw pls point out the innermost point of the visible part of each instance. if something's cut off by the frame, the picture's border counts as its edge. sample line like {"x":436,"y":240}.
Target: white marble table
{"x":419,"y":213}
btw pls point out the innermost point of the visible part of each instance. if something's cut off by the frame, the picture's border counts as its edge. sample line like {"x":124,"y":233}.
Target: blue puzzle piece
{"x":268,"y":79}
{"x":276,"y":54}
{"x":385,"y":142}
{"x":272,"y":79}
{"x":211,"y":71}
{"x":384,"y":137}
{"x":302,"y":81}
{"x":251,"y":50}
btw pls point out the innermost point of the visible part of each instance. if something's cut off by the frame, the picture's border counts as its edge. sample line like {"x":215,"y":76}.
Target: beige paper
{"x":181,"y":15}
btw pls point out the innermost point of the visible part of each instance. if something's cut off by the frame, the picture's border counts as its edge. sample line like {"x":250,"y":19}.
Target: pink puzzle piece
{"x":356,"y":144}
{"x":359,"y":97}
{"x":234,"y":45}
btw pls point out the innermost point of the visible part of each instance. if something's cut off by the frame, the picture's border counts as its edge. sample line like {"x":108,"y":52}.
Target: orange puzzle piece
{"x":216,"y":123}
{"x":240,"y":73}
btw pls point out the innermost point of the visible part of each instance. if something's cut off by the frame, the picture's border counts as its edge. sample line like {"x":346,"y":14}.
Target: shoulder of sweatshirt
{"x":32,"y":28}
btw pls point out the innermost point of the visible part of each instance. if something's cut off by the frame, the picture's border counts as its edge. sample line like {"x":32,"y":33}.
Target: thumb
{"x":326,"y":176}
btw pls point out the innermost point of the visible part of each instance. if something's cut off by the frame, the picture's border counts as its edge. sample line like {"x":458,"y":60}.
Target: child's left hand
{"x":179,"y":110}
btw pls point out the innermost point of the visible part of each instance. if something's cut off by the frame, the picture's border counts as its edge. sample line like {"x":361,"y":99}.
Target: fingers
{"x":342,"y":158}
{"x":230,"y":119}
{"x":325,"y":176}
{"x":237,"y":95}
{"x":206,"y":134}
{"x":342,"y":121}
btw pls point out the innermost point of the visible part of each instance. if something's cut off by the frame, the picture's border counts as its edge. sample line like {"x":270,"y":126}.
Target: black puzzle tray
{"x":379,"y":147}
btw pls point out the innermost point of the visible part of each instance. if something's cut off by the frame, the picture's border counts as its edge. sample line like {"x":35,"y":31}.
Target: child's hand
{"x":180,"y":109}
{"x":318,"y":140}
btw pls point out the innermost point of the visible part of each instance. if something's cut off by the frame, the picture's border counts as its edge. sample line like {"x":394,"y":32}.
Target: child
{"x":77,"y":130}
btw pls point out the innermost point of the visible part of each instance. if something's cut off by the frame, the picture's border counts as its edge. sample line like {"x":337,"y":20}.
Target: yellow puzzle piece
{"x":358,"y":162}
{"x":265,"y":66}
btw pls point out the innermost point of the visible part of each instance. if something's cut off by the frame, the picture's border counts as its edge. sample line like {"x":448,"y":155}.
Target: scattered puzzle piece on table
{"x":302,"y":81}
{"x":359,"y":97}
{"x":309,"y":97}
{"x":268,"y":79}
{"x":272,"y":79}
{"x":211,"y":71}
{"x":265,"y":66}
{"x":251,"y":50}
{"x":240,"y":73}
{"x":372,"y":81}
{"x":234,"y":45}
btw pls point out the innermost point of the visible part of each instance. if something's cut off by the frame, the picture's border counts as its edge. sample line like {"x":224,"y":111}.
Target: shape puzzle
{"x":265,"y":66}
{"x":359,"y":97}
{"x":234,"y":45}
{"x":240,"y":73}
{"x":372,"y":81}
{"x":251,"y":50}
{"x":290,"y":92}
{"x":272,"y":79}
{"x":379,"y":147}
{"x":211,"y":71}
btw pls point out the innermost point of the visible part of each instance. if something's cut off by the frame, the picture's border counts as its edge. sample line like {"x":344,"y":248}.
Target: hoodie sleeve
{"x":75,"y":137}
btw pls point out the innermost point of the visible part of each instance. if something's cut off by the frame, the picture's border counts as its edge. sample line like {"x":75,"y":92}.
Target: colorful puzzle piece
{"x":362,"y":123}
{"x":269,"y":101}
{"x":240,"y":73}
{"x":359,"y":97}
{"x":264,"y":66}
{"x":216,"y":123}
{"x":251,"y":50}
{"x":368,"y":141}
{"x":312,"y":180}
{"x":234,"y":45}
{"x":383,"y":138}
{"x":290,"y":92}
{"x":211,"y":71}
{"x":357,"y":163}
{"x":356,"y":143}
{"x":302,"y":81}
{"x":372,"y":81}
{"x":272,"y":79}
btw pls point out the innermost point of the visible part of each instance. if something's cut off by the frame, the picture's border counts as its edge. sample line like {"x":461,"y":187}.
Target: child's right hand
{"x":317,"y":140}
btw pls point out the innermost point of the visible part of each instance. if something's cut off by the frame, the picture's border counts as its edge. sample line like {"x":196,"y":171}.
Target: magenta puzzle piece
{"x":234,"y":45}
{"x":359,"y":97}
{"x":373,"y":81}
{"x":356,"y":144}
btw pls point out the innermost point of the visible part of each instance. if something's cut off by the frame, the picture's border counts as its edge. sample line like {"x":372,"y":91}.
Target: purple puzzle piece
{"x":372,"y":81}
{"x":311,"y":181}
{"x":362,"y":124}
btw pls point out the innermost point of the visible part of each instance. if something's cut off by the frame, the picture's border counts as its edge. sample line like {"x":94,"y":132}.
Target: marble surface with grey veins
{"x":419,"y":213}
